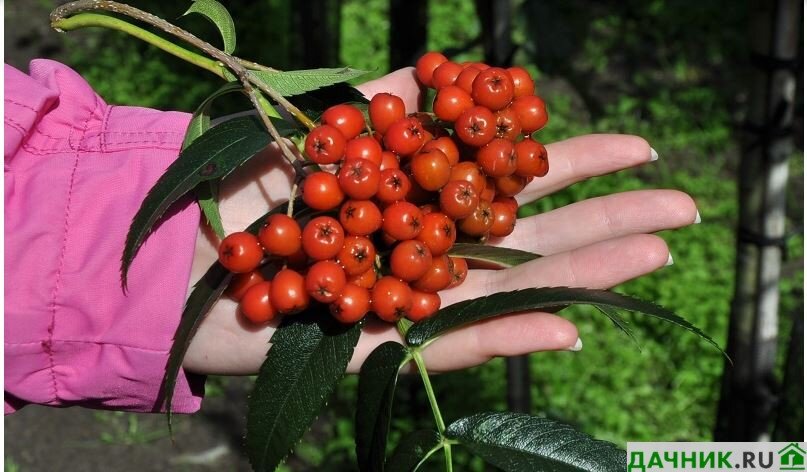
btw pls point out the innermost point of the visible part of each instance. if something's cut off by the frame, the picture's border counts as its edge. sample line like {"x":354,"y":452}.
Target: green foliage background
{"x":659,"y":69}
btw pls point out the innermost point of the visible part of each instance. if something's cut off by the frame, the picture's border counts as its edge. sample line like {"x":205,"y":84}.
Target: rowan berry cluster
{"x":391,"y":198}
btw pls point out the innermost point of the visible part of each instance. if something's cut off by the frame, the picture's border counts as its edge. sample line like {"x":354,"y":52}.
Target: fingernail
{"x":578,"y":345}
{"x":697,"y":217}
{"x":669,"y":260}
{"x":653,"y":155}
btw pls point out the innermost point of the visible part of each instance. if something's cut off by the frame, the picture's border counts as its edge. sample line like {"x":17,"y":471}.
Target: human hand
{"x":596,"y":243}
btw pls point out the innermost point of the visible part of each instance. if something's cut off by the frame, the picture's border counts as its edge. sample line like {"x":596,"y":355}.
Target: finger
{"x":582,"y":157}
{"x":402,"y":83}
{"x":600,"y":265}
{"x":612,"y":216}
{"x":511,"y":335}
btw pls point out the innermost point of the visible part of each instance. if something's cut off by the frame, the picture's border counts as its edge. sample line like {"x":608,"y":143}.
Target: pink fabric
{"x":76,"y":170}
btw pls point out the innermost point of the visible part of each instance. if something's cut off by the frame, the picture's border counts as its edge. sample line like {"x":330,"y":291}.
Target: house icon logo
{"x":791,"y":457}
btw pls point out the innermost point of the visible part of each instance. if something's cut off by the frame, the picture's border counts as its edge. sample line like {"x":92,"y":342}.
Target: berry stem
{"x":292,"y":196}
{"x":438,"y":418}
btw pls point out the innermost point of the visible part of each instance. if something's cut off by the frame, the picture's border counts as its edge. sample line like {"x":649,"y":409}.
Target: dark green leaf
{"x":617,"y":320}
{"x":208,"y":195}
{"x":518,"y":442}
{"x":412,"y":451}
{"x":200,"y":122}
{"x":502,"y":256}
{"x":309,"y":354}
{"x":205,"y":293}
{"x":296,"y":82}
{"x":315,"y":102}
{"x":211,"y":156}
{"x":377,"y":380}
{"x":477,"y":309}
{"x":216,"y":13}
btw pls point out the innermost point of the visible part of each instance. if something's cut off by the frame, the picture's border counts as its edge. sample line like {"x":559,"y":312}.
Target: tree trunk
{"x":748,"y":396}
{"x":407,"y":33}
{"x":790,"y":414}
{"x":319,"y":32}
{"x":495,"y":17}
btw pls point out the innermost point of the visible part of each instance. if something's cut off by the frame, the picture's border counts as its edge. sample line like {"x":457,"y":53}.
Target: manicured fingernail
{"x":653,"y":155}
{"x":578,"y":345}
{"x":669,"y":260}
{"x":697,"y":217}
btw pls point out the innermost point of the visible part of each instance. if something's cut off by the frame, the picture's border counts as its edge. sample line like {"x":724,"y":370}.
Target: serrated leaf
{"x":219,"y":16}
{"x":211,"y":156}
{"x":296,"y":82}
{"x":309,"y":355}
{"x":207,"y":193}
{"x":617,"y":320}
{"x":501,"y":256}
{"x":477,"y":309}
{"x":377,"y":380}
{"x":413,"y":450}
{"x":204,"y":295}
{"x":200,"y":121}
{"x":518,"y":442}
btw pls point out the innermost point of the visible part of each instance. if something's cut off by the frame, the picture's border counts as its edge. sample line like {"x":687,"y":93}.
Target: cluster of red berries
{"x":406,"y":187}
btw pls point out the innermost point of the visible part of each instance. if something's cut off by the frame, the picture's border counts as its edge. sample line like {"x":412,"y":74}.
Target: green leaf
{"x":518,"y":442}
{"x":208,"y":195}
{"x":296,"y":82}
{"x":413,"y":450}
{"x":379,"y":375}
{"x":211,"y":156}
{"x":502,"y":256}
{"x":477,"y":309}
{"x":200,"y":122}
{"x":309,"y":355}
{"x":205,"y":293}
{"x":617,"y":320}
{"x":218,"y":14}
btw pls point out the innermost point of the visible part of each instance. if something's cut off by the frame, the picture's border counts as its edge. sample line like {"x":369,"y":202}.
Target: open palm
{"x":596,"y":243}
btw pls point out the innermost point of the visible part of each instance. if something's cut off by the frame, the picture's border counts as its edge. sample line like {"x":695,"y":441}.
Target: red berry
{"x":363,"y":147}
{"x":424,"y":305}
{"x":511,"y":185}
{"x":392,"y":299}
{"x":365,"y":279}
{"x":402,"y":220}
{"x":447,"y":145}
{"x":324,"y":281}
{"x":446,"y":74}
{"x":450,"y":102}
{"x":357,"y":255}
{"x":321,"y":191}
{"x":497,"y":158}
{"x":325,"y":145}
{"x":389,"y":161}
{"x":410,"y":260}
{"x":438,"y":233}
{"x":507,"y":125}
{"x":458,"y":268}
{"x":359,"y":179}
{"x":431,"y":169}
{"x":425,"y":67}
{"x":385,"y":109}
{"x":476,"y":126}
{"x":405,"y":136}
{"x":469,"y":172}
{"x":504,"y":220}
{"x":360,"y":217}
{"x":288,"y":292}
{"x":458,"y":199}
{"x":522,"y":82}
{"x":346,"y":118}
{"x":351,"y":305}
{"x":466,"y":78}
{"x":510,"y":202}
{"x":531,"y":158}
{"x":531,"y":112}
{"x":256,"y":303}
{"x":281,"y":236}
{"x":493,"y":88}
{"x":395,"y":185}
{"x":437,"y":278}
{"x":323,"y":237}
{"x":240,"y":252}
{"x":490,"y":190}
{"x":480,"y":221}
{"x":242,"y":282}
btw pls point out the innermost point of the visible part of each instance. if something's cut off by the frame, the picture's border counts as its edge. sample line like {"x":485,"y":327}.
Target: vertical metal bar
{"x":748,"y":397}
{"x":408,"y":31}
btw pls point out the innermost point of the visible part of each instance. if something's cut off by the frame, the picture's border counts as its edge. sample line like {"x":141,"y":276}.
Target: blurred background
{"x":710,"y":86}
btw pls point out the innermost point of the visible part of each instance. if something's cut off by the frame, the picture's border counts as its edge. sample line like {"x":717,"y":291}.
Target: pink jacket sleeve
{"x":76,"y":170}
